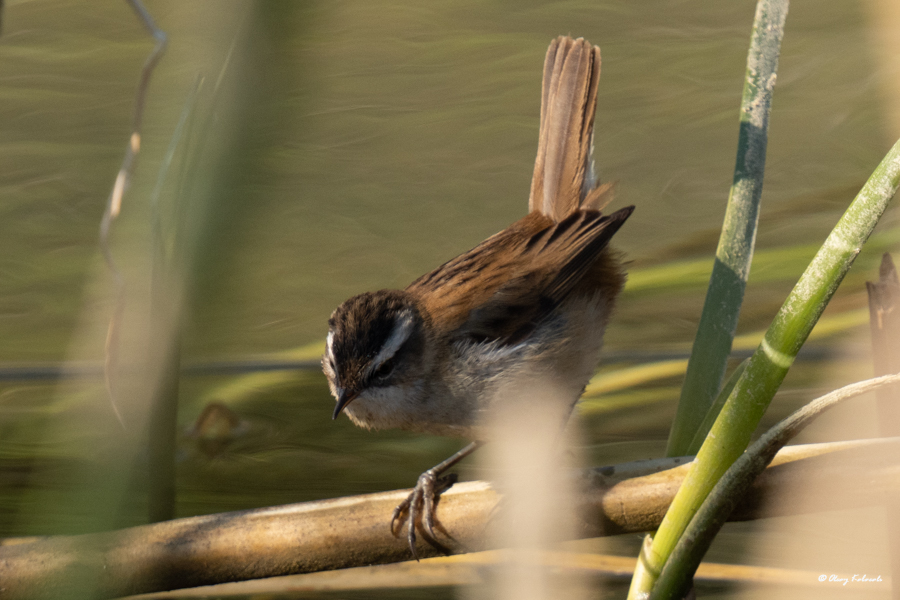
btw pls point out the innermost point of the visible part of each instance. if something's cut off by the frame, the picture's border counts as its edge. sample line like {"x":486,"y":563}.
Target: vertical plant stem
{"x":165,"y":355}
{"x":884,"y":322}
{"x":114,"y":203}
{"x":768,"y":366}
{"x":162,"y":424}
{"x":166,"y":297}
{"x":718,"y":322}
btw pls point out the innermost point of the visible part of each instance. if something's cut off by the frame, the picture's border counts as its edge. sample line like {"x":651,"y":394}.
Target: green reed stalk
{"x":768,"y":366}
{"x":718,"y":322}
{"x":677,"y":575}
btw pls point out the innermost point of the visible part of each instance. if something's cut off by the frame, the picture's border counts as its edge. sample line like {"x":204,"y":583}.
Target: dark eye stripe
{"x":384,"y":370}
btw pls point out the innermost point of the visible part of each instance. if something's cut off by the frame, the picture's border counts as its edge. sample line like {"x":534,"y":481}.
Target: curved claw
{"x":399,"y":511}
{"x":438,"y":487}
{"x":419,"y":507}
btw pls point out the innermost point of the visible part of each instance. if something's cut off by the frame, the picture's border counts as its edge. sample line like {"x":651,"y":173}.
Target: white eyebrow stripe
{"x":403,"y":327}
{"x":329,"y":351}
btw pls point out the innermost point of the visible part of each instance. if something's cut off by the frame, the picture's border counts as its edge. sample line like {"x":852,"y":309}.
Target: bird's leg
{"x":419,"y":505}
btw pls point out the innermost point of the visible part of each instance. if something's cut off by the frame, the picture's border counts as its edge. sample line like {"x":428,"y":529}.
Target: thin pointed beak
{"x":345,"y":398}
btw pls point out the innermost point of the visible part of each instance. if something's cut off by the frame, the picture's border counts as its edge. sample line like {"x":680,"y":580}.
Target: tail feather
{"x":563,"y":170}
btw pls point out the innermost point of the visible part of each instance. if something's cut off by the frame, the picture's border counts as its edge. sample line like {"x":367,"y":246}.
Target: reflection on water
{"x":353,"y":146}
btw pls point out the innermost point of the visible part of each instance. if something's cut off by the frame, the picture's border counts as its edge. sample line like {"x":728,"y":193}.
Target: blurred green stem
{"x":166,"y":285}
{"x":165,"y":354}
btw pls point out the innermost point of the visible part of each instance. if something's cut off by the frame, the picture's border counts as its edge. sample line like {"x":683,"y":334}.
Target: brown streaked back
{"x":504,"y":287}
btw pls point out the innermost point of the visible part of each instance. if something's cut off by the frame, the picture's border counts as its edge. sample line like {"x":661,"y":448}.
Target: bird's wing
{"x":503,"y":288}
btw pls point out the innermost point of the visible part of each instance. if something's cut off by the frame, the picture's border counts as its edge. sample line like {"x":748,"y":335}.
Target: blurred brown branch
{"x":353,"y":531}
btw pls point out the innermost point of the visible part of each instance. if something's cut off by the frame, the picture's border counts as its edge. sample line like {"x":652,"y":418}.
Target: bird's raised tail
{"x":564,"y":171}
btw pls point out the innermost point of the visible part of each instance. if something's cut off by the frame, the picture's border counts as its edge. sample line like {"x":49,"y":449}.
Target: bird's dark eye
{"x":384,"y":369}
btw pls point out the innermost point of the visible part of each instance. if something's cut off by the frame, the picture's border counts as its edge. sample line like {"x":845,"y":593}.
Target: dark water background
{"x":338,"y":147}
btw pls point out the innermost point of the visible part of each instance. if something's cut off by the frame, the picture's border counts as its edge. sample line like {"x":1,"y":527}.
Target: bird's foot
{"x":419,"y":508}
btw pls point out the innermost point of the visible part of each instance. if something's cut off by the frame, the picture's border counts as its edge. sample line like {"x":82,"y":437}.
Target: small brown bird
{"x":532,"y":299}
